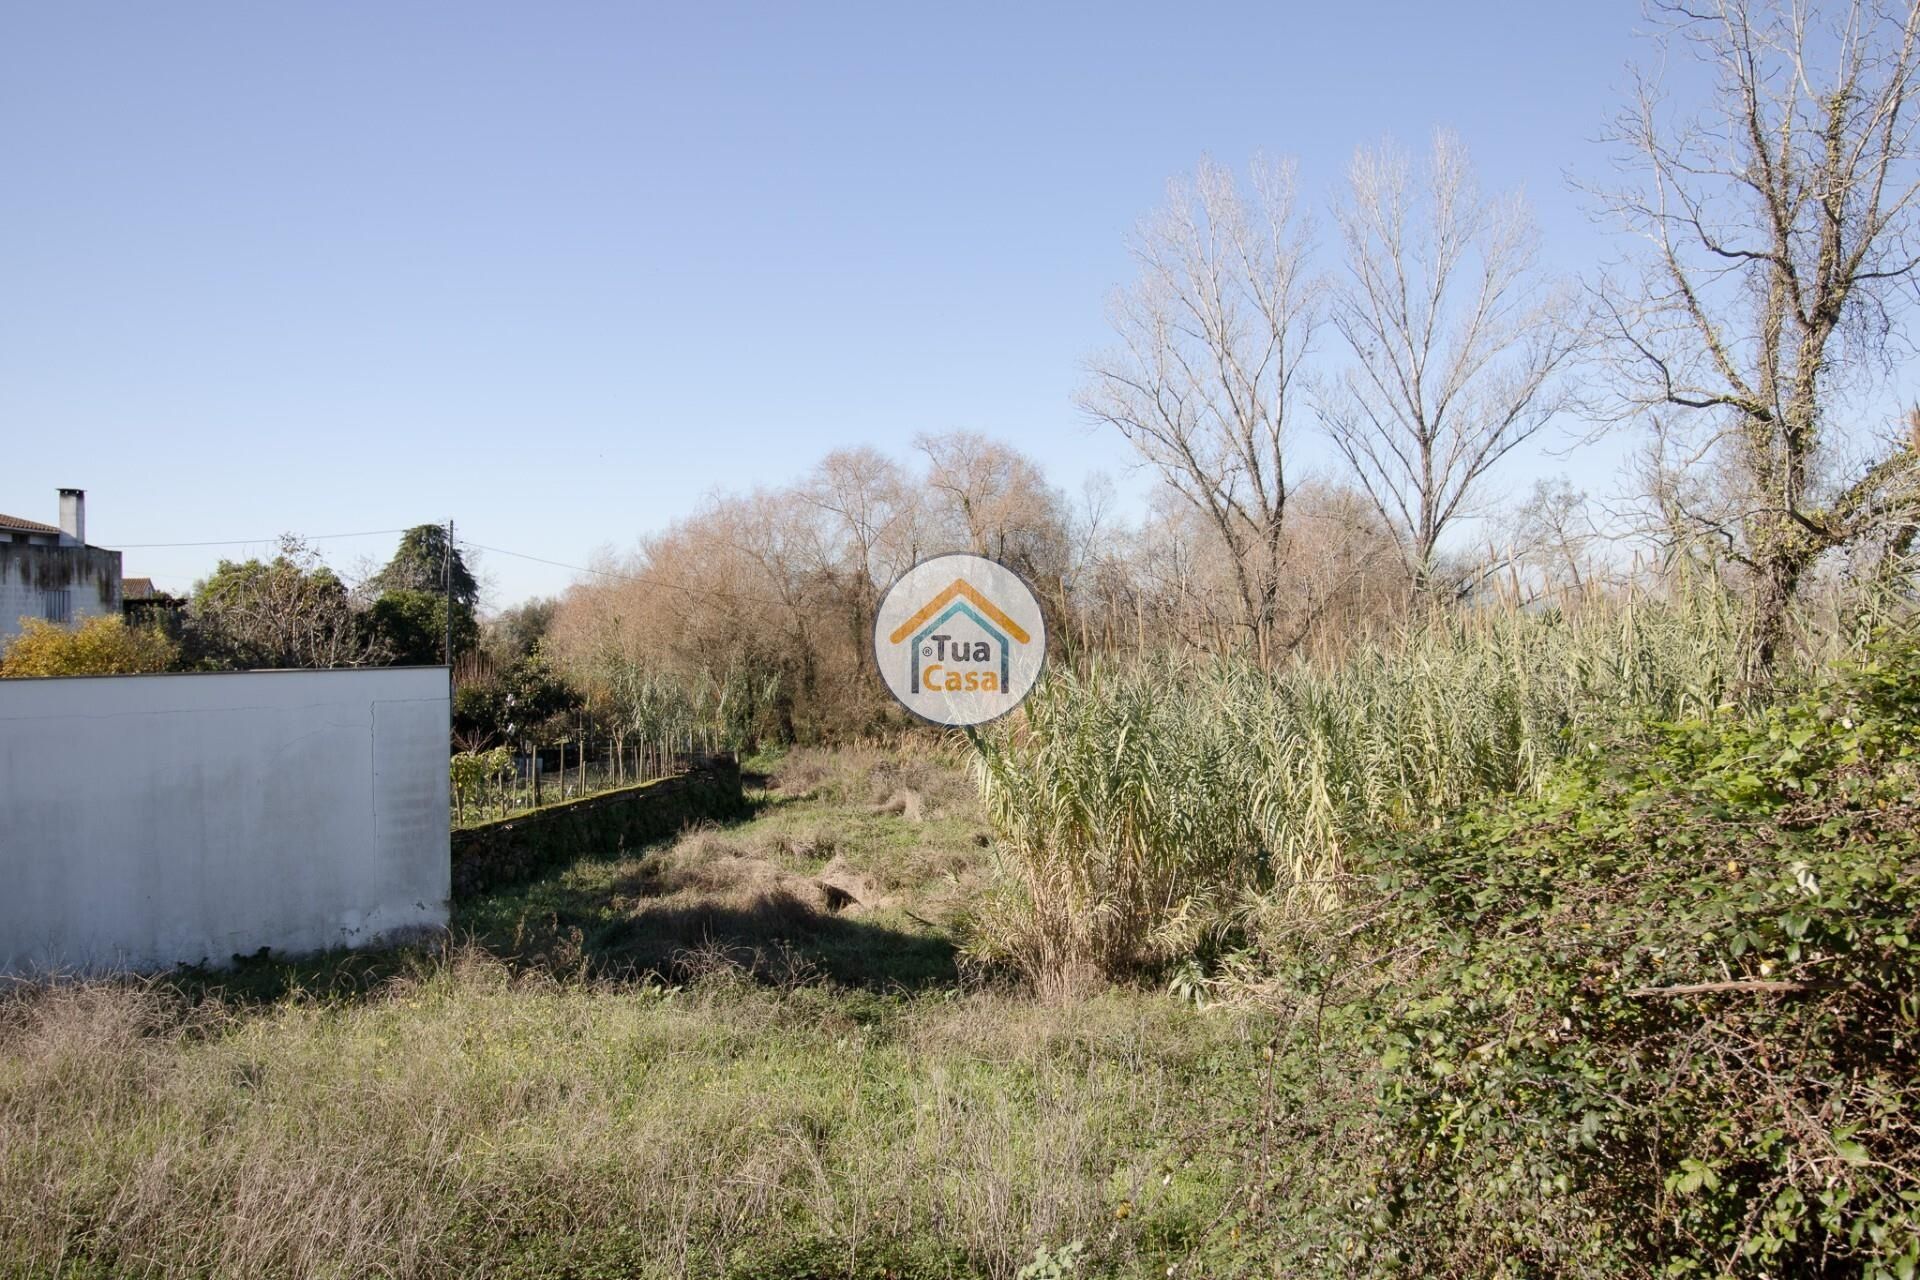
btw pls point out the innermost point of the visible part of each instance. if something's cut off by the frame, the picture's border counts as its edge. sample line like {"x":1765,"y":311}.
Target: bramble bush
{"x":1660,"y":1019}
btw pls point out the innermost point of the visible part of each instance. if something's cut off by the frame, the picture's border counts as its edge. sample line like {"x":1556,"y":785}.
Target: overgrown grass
{"x":471,"y":1122}
{"x":689,"y":1063}
{"x":1140,"y":809}
{"x":1511,"y":974}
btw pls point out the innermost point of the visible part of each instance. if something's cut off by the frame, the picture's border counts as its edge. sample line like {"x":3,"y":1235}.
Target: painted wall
{"x":147,"y":821}
{"x":90,"y":576}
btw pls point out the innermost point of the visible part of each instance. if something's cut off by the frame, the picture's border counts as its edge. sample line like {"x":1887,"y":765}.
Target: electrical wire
{"x":697,"y":592}
{"x":238,"y":542}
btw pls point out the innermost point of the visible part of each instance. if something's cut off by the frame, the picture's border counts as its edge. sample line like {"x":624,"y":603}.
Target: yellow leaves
{"x":100,"y":646}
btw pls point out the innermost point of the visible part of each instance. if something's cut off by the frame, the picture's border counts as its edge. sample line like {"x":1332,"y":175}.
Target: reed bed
{"x":1141,"y":809}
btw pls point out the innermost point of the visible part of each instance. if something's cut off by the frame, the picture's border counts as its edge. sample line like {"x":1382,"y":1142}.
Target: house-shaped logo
{"x":960,"y":639}
{"x":960,"y":599}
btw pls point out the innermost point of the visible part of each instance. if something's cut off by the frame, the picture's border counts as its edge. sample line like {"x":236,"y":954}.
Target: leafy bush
{"x":410,"y":628}
{"x":100,"y":646}
{"x":478,"y":777}
{"x":1663,"y":1019}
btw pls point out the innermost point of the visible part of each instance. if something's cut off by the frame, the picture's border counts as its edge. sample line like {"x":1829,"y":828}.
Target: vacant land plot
{"x":749,"y":1052}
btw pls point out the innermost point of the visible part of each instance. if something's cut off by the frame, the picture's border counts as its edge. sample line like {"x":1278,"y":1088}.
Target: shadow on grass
{"x":575,"y":927}
{"x":587,"y":921}
{"x":331,"y":976}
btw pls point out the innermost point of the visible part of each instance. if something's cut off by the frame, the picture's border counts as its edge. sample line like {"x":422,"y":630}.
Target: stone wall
{"x":497,"y":853}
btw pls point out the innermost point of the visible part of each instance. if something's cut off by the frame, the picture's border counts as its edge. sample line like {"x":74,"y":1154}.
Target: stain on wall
{"x":28,"y":571}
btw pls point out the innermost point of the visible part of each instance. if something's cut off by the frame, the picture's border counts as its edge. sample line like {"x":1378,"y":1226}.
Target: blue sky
{"x":559,"y":271}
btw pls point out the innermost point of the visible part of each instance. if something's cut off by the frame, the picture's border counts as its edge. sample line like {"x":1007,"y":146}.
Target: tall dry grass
{"x":1140,"y":808}
{"x":470,"y":1122}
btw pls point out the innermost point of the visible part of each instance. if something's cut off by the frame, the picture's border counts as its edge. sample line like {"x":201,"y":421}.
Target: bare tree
{"x":1213,"y":334}
{"x":1551,"y":537}
{"x":1779,"y":222}
{"x":996,"y":501}
{"x":867,"y":497}
{"x":1458,"y":340}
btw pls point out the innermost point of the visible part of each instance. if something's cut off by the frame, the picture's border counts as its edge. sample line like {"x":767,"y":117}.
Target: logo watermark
{"x":960,"y":639}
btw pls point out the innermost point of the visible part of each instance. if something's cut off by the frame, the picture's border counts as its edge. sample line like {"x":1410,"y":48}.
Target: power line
{"x":238,"y":542}
{"x":698,"y":592}
{"x":645,"y":580}
{"x":521,"y":555}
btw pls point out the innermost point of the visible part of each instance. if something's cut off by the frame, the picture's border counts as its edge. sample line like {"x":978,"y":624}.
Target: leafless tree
{"x":1213,"y":335}
{"x":772,"y":593}
{"x":1779,"y":230}
{"x":1459,"y":341}
{"x":1551,"y":537}
{"x":995,"y":501}
{"x":867,"y":497}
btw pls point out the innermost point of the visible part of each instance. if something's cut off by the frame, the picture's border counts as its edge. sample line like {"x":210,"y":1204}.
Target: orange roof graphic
{"x":960,"y":587}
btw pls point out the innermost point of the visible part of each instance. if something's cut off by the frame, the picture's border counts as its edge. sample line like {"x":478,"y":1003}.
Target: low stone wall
{"x":497,"y":853}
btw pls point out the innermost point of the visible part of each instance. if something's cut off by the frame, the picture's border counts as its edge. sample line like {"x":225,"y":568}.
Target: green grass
{"x":681,"y":1064}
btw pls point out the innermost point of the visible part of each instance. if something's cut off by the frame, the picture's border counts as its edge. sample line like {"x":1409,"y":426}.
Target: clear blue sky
{"x":558,"y":271}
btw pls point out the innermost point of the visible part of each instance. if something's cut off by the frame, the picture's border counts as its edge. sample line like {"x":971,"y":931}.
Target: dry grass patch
{"x":919,"y":779}
{"x":473,"y":1122}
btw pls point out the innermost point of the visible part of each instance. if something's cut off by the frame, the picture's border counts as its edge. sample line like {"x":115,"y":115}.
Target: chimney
{"x":73,"y":517}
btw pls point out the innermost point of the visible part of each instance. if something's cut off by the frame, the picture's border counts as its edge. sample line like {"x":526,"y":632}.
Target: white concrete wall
{"x":147,"y":821}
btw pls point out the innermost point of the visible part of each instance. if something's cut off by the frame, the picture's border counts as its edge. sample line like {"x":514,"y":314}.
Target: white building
{"x":49,"y":572}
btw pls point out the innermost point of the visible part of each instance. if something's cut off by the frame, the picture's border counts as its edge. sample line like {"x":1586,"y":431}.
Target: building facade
{"x":49,"y":572}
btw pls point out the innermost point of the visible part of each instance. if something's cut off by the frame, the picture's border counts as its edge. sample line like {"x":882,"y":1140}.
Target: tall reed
{"x":1141,"y":807}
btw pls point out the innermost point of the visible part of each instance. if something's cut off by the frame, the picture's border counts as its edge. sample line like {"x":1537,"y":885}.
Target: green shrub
{"x":1663,"y":1019}
{"x":478,"y":777}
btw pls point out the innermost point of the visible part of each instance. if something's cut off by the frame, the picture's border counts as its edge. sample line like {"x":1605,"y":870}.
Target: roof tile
{"x":16,"y":524}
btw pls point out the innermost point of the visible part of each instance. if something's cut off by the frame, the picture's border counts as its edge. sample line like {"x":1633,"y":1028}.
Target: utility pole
{"x":446,"y":598}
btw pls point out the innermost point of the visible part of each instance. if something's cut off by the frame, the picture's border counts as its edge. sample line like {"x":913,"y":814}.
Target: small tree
{"x":413,"y":593}
{"x":512,"y":634}
{"x":99,"y":646}
{"x":410,"y":627}
{"x":291,"y":611}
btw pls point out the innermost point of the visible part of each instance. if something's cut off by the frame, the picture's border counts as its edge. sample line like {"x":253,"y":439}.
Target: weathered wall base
{"x":499,"y":853}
